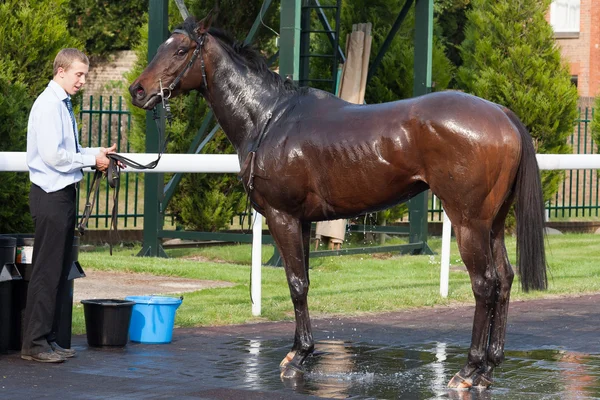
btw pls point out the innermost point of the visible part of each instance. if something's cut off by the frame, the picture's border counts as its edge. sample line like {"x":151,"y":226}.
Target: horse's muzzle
{"x":140,"y":98}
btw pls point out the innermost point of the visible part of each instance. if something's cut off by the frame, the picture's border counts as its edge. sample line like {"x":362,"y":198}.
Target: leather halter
{"x":198,"y":51}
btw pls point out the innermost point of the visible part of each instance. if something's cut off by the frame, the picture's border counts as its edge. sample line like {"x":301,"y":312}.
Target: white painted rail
{"x":193,"y":163}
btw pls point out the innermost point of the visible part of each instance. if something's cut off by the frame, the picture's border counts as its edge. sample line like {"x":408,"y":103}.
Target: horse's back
{"x":417,"y":135}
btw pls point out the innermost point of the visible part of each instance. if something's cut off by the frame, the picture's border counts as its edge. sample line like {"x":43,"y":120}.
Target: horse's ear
{"x":206,"y":23}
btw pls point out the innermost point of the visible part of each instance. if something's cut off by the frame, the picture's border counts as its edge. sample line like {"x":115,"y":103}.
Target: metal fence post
{"x":153,"y":183}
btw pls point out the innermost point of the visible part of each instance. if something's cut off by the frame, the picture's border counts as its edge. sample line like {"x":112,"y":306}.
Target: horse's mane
{"x":245,"y":53}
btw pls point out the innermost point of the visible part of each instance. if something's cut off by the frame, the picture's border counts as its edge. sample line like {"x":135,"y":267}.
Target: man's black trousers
{"x":54,"y":218}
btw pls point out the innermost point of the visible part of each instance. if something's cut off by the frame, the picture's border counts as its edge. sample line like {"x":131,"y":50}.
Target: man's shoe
{"x":66,"y":353}
{"x":45,"y":357}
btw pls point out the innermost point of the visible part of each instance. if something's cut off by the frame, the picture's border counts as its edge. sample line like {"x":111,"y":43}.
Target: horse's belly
{"x":347,"y":198}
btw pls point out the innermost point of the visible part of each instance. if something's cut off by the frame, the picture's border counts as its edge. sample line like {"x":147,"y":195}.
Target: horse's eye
{"x":181,"y":52}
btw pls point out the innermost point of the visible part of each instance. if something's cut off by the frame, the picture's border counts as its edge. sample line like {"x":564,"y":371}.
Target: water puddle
{"x":340,"y":369}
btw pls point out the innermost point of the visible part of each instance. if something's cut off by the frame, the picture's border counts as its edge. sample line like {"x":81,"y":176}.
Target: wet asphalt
{"x":552,"y":352}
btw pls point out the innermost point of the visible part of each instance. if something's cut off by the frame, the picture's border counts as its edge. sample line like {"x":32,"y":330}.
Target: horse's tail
{"x":529,"y":210}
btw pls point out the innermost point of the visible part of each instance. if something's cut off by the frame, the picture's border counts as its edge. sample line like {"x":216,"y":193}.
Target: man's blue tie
{"x":70,"y":108}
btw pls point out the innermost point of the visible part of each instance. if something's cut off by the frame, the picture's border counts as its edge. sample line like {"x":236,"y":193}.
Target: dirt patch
{"x":118,"y":285}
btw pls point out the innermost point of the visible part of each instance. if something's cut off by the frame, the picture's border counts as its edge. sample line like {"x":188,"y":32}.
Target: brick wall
{"x":595,"y":49}
{"x":106,"y":78}
{"x":582,"y":51}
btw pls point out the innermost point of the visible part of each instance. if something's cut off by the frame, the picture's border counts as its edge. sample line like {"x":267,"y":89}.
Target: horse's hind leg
{"x":505,"y":274}
{"x":473,"y":237}
{"x":291,"y":241}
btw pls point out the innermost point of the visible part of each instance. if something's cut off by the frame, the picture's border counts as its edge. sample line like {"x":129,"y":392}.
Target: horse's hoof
{"x":292,"y":372}
{"x":458,"y":382}
{"x":286,"y":360}
{"x":481,"y":382}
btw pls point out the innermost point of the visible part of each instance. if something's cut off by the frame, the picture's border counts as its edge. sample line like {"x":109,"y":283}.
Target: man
{"x":55,"y":160}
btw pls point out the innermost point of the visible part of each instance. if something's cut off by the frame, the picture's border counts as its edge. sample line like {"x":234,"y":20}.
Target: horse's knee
{"x":298,"y":289}
{"x":483,"y":289}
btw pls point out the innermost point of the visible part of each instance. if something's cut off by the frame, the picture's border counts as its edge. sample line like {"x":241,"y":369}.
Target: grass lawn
{"x":341,"y":285}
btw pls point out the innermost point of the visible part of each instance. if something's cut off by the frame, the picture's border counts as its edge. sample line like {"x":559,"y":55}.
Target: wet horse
{"x":307,"y":156}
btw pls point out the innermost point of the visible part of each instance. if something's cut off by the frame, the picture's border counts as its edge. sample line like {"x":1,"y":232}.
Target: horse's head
{"x":177,"y":67}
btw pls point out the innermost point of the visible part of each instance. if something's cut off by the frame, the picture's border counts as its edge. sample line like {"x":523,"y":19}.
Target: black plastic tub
{"x":107,"y":321}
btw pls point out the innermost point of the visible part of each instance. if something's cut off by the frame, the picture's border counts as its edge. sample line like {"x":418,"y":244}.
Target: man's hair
{"x":66,"y":57}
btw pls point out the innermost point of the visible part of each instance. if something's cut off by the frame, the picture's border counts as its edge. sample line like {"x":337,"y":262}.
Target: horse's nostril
{"x":137,"y":91}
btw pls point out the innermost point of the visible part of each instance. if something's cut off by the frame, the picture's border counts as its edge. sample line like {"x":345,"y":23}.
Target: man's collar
{"x":60,"y":92}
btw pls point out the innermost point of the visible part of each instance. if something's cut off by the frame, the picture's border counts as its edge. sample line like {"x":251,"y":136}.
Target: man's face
{"x":73,"y":78}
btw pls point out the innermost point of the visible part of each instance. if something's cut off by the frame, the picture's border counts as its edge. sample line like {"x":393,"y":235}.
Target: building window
{"x":574,"y":80}
{"x":564,"y":16}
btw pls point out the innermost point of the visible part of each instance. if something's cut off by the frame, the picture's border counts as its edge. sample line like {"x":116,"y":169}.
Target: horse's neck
{"x":242,"y":108}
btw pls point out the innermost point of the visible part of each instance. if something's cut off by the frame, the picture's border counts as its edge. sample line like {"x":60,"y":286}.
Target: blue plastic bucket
{"x":152,"y":318}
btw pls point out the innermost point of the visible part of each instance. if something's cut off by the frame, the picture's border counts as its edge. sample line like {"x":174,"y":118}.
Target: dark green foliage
{"x":106,"y":25}
{"x":208,"y":202}
{"x":14,"y":187}
{"x":31,"y":33}
{"x":450,"y":19}
{"x":510,"y":57}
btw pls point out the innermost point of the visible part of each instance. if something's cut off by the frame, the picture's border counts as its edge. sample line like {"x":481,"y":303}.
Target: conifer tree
{"x":510,"y":57}
{"x":106,"y":26}
{"x":31,"y":34}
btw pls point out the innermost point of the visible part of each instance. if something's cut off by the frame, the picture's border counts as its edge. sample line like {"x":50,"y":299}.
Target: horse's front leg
{"x":287,"y":232}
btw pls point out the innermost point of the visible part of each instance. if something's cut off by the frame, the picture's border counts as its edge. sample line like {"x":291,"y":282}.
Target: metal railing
{"x":578,"y":195}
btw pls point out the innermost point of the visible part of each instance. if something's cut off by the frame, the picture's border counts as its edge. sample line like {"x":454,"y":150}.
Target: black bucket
{"x":107,"y":321}
{"x":8,"y":269}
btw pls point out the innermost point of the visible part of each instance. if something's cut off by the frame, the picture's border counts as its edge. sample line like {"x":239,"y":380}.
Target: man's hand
{"x":111,"y":149}
{"x":102,"y":161}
